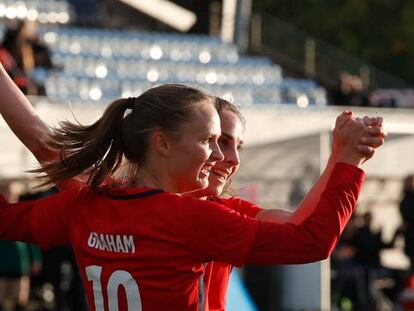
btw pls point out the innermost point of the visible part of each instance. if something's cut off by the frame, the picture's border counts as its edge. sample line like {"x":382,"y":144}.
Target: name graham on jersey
{"x":112,"y":243}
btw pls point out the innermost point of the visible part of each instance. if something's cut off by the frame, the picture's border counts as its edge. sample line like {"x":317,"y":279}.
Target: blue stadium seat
{"x":103,"y":64}
{"x":43,"y":11}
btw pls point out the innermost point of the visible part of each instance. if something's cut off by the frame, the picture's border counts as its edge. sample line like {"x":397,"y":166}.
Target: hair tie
{"x":129,"y":106}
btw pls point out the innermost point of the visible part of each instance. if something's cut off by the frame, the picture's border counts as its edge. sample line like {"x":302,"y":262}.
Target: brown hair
{"x":97,"y":150}
{"x":224,"y":105}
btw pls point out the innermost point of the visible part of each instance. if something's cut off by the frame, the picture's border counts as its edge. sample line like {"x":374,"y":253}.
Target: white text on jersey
{"x":112,"y":243}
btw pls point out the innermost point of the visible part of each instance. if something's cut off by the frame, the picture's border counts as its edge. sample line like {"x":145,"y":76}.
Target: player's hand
{"x":347,"y":135}
{"x":375,"y":137}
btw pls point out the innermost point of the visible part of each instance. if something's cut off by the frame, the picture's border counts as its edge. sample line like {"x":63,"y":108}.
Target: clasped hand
{"x":356,"y":139}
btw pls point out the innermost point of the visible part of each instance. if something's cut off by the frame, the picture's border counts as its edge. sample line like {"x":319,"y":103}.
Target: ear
{"x":161,"y":142}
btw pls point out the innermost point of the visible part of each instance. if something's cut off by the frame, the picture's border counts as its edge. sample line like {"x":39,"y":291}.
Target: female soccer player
{"x":232,"y":123}
{"x":305,"y":256}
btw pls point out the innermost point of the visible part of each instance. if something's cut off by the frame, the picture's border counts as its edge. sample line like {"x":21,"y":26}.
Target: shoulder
{"x":232,"y":202}
{"x":191,"y":205}
{"x":76,"y":195}
{"x":239,"y":205}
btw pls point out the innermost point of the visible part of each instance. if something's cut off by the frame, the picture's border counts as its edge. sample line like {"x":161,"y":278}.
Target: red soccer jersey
{"x":217,"y":274}
{"x":144,"y":249}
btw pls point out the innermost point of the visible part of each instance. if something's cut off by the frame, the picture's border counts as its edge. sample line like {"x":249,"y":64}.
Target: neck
{"x":146,"y":179}
{"x":201,"y":194}
{"x":191,"y":194}
{"x":154,"y":176}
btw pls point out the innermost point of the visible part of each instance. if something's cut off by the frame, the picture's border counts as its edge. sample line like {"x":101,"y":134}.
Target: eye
{"x":239,"y":147}
{"x":209,"y":139}
{"x":222,"y":142}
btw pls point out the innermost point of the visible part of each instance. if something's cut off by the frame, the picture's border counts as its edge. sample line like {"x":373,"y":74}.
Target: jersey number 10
{"x":117,"y":278}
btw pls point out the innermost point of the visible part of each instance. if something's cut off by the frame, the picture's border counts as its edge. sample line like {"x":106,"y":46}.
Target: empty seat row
{"x":43,"y":11}
{"x":67,"y":87}
{"x":166,"y":70}
{"x":138,"y":45}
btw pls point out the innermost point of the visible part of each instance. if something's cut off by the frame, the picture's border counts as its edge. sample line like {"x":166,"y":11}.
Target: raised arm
{"x":373,"y":138}
{"x":22,"y":118}
{"x":236,"y":239}
{"x":25,"y":123}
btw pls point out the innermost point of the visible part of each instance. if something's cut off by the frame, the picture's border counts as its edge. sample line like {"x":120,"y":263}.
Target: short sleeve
{"x":45,"y":222}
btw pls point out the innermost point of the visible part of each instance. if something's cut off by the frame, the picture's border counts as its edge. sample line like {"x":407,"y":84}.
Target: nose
{"x":232,"y":157}
{"x":216,"y":154}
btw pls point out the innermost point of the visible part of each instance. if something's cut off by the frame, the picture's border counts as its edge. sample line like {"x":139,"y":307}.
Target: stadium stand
{"x":43,"y":11}
{"x":102,"y":64}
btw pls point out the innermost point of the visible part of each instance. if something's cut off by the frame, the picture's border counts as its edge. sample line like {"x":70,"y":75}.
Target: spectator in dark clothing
{"x":18,"y":76}
{"x":350,"y":92}
{"x":368,"y":245}
{"x":407,"y":215}
{"x":346,"y":274}
{"x":21,"y":51}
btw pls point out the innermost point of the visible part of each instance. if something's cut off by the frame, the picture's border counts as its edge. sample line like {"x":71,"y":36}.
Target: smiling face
{"x":196,"y":150}
{"x":230,"y":142}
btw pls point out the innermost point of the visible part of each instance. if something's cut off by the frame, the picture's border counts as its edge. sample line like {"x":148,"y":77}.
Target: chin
{"x":203,"y":183}
{"x":215,"y":189}
{"x":195,"y":186}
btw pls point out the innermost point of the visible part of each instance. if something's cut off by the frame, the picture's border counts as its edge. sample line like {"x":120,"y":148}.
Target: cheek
{"x":195,"y":156}
{"x":234,"y":171}
{"x":203,"y":152}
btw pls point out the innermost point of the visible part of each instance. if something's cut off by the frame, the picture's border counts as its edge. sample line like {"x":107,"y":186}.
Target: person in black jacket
{"x":407,"y":215}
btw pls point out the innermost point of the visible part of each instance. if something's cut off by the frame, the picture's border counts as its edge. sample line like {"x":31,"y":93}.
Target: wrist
{"x":352,"y":158}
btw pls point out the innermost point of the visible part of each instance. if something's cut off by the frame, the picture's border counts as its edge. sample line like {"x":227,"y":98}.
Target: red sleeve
{"x":244,"y":207}
{"x":45,"y":222}
{"x":316,"y":237}
{"x":214,"y":232}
